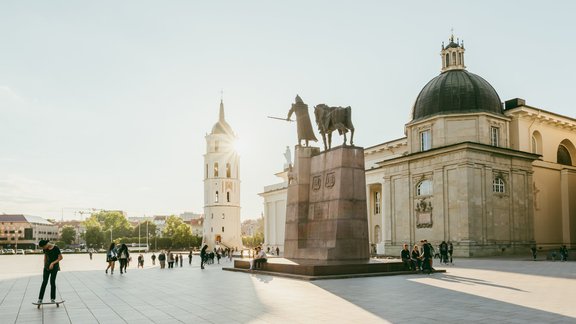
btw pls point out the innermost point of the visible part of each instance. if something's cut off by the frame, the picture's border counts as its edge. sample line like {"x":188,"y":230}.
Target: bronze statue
{"x":330,"y":119}
{"x":305,"y":131}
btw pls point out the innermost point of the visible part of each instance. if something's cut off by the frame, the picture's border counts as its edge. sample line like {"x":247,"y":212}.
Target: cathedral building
{"x":491,"y":178}
{"x":221,"y":187}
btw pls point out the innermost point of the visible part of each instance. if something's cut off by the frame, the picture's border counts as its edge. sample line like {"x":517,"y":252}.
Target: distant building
{"x":160,"y":222}
{"x":275,"y":211}
{"x":24,"y":231}
{"x":188,"y":216}
{"x":250,"y":227}
{"x":197,"y":226}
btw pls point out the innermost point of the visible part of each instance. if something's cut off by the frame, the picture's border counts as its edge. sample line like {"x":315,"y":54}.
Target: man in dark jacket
{"x":427,"y":257}
{"x":406,"y":259}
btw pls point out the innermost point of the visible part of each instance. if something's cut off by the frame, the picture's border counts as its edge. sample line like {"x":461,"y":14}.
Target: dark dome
{"x":456,"y":91}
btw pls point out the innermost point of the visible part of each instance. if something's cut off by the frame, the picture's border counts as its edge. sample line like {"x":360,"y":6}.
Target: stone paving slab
{"x":471,"y":291}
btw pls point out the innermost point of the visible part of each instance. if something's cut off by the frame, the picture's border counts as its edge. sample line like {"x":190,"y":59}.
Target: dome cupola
{"x":455,"y":90}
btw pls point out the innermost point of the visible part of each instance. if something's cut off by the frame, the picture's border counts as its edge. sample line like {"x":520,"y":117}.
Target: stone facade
{"x":326,"y":205}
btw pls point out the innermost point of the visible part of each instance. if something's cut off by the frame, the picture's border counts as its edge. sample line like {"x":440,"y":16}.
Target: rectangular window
{"x":425,"y":140}
{"x":494,"y":136}
{"x":376,"y":202}
{"x":222,"y":229}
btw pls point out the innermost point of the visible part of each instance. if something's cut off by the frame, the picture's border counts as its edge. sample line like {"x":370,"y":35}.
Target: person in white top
{"x":259,"y":259}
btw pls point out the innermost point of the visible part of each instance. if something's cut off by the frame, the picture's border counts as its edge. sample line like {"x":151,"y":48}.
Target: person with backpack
{"x":203,"y":256}
{"x":123,"y":255}
{"x":111,"y":257}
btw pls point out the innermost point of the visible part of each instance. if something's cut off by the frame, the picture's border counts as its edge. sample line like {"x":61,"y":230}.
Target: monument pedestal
{"x":326,"y":219}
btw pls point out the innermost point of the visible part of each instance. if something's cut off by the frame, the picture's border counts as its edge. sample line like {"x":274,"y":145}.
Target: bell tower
{"x":453,"y":55}
{"x":221,"y":187}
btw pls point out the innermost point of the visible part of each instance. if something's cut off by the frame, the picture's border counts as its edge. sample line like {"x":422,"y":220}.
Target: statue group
{"x":328,"y":119}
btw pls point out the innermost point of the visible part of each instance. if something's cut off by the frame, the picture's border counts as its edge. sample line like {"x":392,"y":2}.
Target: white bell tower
{"x":221,"y":187}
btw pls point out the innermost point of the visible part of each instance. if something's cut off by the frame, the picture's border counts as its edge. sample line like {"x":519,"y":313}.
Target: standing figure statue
{"x":288,"y":156}
{"x":305,"y":131}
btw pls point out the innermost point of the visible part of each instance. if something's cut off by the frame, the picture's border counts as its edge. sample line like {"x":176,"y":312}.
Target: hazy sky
{"x":105,"y":104}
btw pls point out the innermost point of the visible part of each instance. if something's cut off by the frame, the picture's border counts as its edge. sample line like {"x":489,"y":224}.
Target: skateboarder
{"x":52,"y":258}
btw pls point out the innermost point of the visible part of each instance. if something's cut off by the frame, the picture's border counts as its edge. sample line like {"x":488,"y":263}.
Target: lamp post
{"x":147,"y":236}
{"x":139,"y":236}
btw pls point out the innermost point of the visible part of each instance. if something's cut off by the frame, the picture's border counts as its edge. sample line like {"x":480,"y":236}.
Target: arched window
{"x":215,"y":169}
{"x":563,"y":155}
{"x":536,"y":142}
{"x":216,"y":196}
{"x":447,"y":60}
{"x":228,"y":170}
{"x":498,"y":185}
{"x":227,"y":196}
{"x":453,"y":58}
{"x":424,"y":188}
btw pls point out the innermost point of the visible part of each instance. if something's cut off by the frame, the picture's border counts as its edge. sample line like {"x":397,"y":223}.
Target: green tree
{"x":182,"y":236}
{"x":68,"y":235}
{"x":94,"y":236}
{"x":110,"y":222}
{"x":172,"y":223}
{"x":142,"y":228}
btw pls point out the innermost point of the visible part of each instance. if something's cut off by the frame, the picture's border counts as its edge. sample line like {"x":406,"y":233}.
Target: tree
{"x":172,"y":223}
{"x":68,"y":235}
{"x":182,"y":236}
{"x":94,"y":236}
{"x":142,"y":228}
{"x":110,"y":222}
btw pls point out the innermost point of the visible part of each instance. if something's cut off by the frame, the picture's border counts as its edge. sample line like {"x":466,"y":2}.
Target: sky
{"x":106,"y":104}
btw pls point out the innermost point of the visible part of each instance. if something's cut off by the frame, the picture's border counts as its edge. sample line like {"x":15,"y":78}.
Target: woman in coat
{"x":111,"y":257}
{"x":123,"y":256}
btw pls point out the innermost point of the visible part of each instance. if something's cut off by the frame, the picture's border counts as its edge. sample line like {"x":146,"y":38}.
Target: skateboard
{"x":49,"y":303}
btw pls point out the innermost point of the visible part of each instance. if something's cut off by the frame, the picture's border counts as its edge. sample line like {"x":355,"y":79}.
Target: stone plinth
{"x":326,"y":217}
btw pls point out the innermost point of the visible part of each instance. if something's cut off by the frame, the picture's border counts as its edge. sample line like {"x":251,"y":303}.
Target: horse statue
{"x":330,"y":119}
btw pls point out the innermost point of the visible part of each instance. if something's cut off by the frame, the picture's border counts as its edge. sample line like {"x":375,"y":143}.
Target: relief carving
{"x":330,"y":180}
{"x":316,"y":183}
{"x":423,"y":214}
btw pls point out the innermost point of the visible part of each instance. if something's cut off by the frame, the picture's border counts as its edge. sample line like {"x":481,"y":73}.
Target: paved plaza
{"x":473,"y":290}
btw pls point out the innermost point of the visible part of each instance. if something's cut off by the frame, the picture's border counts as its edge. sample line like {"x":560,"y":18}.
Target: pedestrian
{"x":180,"y":260}
{"x":426,"y":257}
{"x":534,"y":251}
{"x":190,"y":258}
{"x":52,"y":258}
{"x":162,"y":259}
{"x":153,"y":259}
{"x":111,"y":257}
{"x":450,"y":251}
{"x":277,"y":251}
{"x":170,"y":260}
{"x":218,"y":257}
{"x":258,"y":259}
{"x":203,"y":256}
{"x":141,"y":261}
{"x":444,"y":252}
{"x":123,"y":255}
{"x":90,"y":253}
{"x":563,"y":253}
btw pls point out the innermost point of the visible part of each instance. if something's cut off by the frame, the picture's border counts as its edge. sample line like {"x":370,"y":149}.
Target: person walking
{"x":203,"y":256}
{"x":426,"y":257}
{"x":52,"y":258}
{"x":277,"y":251}
{"x":141,"y":261}
{"x":563,"y":253}
{"x":450,"y":251}
{"x":90,"y":253}
{"x":180,"y":260}
{"x":123,"y":255}
{"x":190,"y":258}
{"x":534,"y":251}
{"x":162,"y":259}
{"x":170,"y":260}
{"x":153,"y":259}
{"x":111,"y":257}
{"x":444,"y":252}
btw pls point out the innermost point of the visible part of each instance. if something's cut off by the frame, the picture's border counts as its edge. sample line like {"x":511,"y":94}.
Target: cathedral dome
{"x":456,"y":91}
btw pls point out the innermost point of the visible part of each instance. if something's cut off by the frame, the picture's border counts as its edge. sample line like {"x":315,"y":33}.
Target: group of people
{"x":420,"y":258}
{"x":122,"y":255}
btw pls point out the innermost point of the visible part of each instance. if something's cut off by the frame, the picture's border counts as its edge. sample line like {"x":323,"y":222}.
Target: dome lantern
{"x":453,"y":55}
